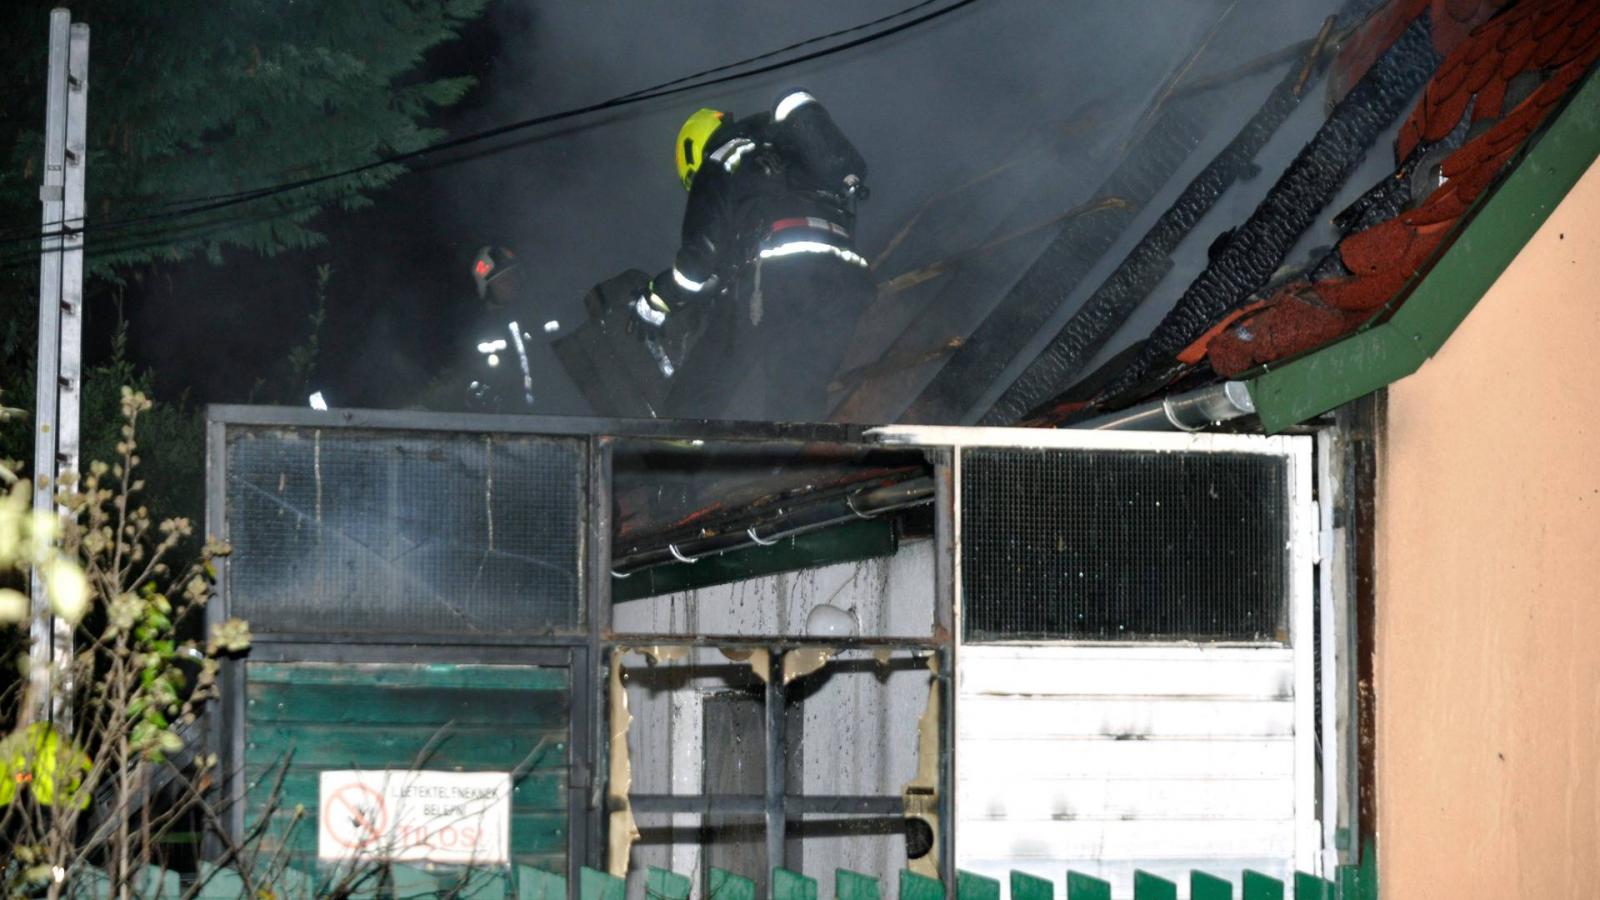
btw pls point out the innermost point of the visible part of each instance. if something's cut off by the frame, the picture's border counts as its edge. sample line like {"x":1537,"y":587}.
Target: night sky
{"x":930,"y":108}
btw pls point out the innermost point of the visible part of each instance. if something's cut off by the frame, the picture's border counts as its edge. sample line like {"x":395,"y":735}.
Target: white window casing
{"x":1165,"y":756}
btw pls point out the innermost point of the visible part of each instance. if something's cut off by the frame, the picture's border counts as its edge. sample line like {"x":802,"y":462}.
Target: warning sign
{"x":415,"y":816}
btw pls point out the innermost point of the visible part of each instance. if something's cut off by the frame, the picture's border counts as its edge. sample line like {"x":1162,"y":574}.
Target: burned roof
{"x":1488,"y":73}
{"x":1486,"y":99}
{"x":1430,"y":103}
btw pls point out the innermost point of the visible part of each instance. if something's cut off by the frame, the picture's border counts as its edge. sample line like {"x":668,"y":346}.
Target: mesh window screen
{"x":363,"y":531}
{"x":1124,"y":545}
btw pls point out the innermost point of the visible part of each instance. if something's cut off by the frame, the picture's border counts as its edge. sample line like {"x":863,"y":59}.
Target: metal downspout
{"x":1193,"y":411}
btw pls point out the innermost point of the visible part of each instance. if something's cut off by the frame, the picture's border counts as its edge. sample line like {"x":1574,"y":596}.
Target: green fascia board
{"x":1494,"y":234}
{"x":864,"y":539}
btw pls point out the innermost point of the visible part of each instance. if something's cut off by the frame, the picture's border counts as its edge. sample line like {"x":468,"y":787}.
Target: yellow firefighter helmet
{"x":692,"y":139}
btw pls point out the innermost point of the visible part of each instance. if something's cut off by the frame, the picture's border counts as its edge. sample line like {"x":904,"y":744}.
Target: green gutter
{"x":866,"y":539}
{"x":1502,"y":224}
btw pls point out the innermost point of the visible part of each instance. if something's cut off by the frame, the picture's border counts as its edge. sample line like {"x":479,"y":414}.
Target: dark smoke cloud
{"x":930,"y":108}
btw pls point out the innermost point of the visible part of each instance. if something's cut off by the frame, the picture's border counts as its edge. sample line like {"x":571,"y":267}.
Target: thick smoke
{"x":1050,"y":91}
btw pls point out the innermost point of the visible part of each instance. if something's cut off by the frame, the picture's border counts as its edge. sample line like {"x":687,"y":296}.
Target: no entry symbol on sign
{"x":355,"y":816}
{"x":414,"y":816}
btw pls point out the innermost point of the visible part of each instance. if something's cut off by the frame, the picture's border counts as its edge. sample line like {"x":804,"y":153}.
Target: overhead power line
{"x":199,"y":205}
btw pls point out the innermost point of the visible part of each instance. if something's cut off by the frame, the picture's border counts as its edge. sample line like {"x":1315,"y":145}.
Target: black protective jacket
{"x":770,"y":170}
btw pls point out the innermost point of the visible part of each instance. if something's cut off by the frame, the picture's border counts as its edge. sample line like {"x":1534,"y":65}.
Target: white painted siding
{"x":1105,"y":759}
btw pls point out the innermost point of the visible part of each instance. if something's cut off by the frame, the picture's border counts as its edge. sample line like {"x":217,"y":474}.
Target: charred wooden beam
{"x":1258,"y":247}
{"x":1056,"y":273}
{"x":1120,"y":294}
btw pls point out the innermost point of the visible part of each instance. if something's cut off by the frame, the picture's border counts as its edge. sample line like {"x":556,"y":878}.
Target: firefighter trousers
{"x":769,"y":354}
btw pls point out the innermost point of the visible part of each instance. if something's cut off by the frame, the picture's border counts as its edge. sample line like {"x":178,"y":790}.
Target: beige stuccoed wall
{"x":1488,"y":619}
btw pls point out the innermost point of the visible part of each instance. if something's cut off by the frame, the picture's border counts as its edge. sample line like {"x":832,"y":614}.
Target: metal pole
{"x":948,"y":522}
{"x":590,"y":733}
{"x":52,"y":195}
{"x":71,"y":328}
{"x":777,"y":767}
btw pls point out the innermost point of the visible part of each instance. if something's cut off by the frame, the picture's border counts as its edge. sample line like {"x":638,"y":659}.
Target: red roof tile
{"x":1560,"y":35}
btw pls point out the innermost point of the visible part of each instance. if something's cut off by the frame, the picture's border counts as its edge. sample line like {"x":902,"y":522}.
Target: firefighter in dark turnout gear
{"x":767,"y":260}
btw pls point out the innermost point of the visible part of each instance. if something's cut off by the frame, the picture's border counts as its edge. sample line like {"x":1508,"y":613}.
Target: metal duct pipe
{"x":783,"y":523}
{"x":1186,"y":412}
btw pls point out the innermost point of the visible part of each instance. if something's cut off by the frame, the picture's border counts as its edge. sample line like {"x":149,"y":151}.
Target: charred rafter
{"x":1088,"y":330}
{"x":1259,"y":246}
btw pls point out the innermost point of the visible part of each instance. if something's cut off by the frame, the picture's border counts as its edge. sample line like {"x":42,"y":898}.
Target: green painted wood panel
{"x":972,"y":886}
{"x":290,"y":884}
{"x":1084,"y":887}
{"x":1360,"y":882}
{"x":397,"y":746}
{"x":1151,"y":887}
{"x":443,"y":675}
{"x":660,"y":884}
{"x":919,"y":887}
{"x":411,"y":881}
{"x":220,"y":884}
{"x":475,"y":884}
{"x":151,"y":883}
{"x":386,"y":705}
{"x":595,"y":885}
{"x":210,"y":883}
{"x":537,"y":884}
{"x":1030,"y":887}
{"x":1310,"y":887}
{"x":1257,"y":886}
{"x":89,"y":884}
{"x":1209,"y":887}
{"x":848,"y":885}
{"x":724,"y":885}
{"x":357,"y":882}
{"x":318,"y":716}
{"x":789,"y":885}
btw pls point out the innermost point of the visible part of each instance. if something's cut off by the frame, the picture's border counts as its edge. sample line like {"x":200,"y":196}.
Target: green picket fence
{"x":527,"y":883}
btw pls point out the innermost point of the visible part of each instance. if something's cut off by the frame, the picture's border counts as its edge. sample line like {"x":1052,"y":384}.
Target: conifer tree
{"x":201,"y":98}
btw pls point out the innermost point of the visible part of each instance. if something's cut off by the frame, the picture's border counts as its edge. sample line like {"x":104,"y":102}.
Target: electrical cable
{"x":781,"y":50}
{"x":665,"y":89}
{"x":681,"y":80}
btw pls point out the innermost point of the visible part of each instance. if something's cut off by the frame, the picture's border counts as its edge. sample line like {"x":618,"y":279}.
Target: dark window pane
{"x":361,"y":531}
{"x":1122,"y":545}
